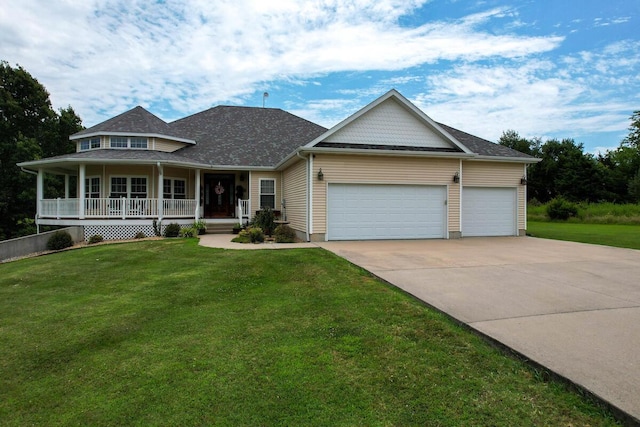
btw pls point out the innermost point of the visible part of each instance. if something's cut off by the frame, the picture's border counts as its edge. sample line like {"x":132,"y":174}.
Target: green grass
{"x":593,"y":213}
{"x":622,"y":236}
{"x":170,"y":333}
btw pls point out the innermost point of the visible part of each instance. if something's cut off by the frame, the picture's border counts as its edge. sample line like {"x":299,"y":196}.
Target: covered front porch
{"x":121,"y":192}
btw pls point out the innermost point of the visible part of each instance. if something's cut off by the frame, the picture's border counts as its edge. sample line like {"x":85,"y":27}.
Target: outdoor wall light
{"x":320,"y":175}
{"x":456,"y":177}
{"x":523,"y":180}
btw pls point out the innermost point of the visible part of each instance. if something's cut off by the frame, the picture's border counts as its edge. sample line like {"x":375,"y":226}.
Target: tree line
{"x":30,"y":129}
{"x":567,"y":171}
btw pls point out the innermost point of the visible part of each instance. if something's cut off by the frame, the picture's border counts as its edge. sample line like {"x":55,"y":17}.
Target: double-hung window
{"x":131,"y":187}
{"x":267,"y":193}
{"x":174,"y":188}
{"x":92,"y":187}
{"x":138,"y":142}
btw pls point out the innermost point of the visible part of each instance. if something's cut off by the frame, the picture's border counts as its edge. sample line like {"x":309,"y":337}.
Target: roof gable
{"x":390,"y":122}
{"x":136,"y":121}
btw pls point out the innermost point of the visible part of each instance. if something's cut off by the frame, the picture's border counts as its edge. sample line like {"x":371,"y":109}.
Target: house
{"x":386,"y":172}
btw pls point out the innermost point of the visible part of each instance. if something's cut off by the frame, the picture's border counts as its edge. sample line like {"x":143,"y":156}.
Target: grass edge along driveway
{"x":618,"y":235}
{"x":171,"y":333}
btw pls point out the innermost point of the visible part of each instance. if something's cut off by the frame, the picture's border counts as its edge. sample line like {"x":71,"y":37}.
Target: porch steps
{"x":219,"y":228}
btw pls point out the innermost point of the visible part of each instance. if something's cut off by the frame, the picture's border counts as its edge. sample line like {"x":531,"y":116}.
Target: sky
{"x":544,"y":68}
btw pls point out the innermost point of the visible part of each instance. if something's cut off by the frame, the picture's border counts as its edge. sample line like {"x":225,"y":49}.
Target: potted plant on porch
{"x":237,"y":227}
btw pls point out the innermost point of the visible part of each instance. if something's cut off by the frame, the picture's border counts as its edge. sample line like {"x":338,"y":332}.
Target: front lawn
{"x":170,"y":333}
{"x":622,"y":236}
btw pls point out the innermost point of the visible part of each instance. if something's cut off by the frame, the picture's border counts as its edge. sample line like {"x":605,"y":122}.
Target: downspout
{"x":460,"y":201}
{"x":306,"y":228}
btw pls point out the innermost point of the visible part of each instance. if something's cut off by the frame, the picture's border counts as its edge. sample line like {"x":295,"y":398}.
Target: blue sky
{"x":545,"y":68}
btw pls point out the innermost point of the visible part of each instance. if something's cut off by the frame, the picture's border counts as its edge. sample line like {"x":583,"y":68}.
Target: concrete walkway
{"x":573,"y":308}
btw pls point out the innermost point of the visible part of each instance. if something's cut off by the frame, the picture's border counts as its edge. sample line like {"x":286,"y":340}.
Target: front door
{"x":219,"y":196}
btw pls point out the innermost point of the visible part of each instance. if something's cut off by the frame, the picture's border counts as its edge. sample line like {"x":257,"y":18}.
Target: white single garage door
{"x":376,"y":211}
{"x":489,"y":211}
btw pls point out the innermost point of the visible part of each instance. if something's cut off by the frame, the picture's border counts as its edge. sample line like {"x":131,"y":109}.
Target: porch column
{"x":160,"y":192}
{"x":81,"y":184}
{"x":39,"y":192}
{"x":66,"y":185}
{"x":197,"y":194}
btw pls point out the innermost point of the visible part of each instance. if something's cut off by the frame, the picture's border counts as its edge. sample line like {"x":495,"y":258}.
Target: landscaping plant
{"x":59,"y":240}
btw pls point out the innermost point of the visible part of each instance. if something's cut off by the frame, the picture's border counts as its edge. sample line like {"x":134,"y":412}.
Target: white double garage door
{"x":381,"y":211}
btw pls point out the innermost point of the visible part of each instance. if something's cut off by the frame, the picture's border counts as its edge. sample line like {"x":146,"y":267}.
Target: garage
{"x":385,"y":211}
{"x":489,"y":211}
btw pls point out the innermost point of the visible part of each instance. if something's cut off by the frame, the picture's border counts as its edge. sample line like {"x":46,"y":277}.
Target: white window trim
{"x":129,"y":147}
{"x":89,"y":141}
{"x":173,"y":186}
{"x":260,"y":194}
{"x":128,"y":178}
{"x":89,"y":178}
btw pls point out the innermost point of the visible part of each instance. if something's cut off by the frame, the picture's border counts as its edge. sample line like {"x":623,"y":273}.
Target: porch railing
{"x":117,"y":208}
{"x":243,"y":210}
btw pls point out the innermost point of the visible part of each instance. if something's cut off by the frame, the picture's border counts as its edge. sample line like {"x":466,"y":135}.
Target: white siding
{"x":389,"y":124}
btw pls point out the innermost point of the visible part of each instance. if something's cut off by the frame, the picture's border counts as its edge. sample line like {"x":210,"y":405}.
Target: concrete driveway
{"x":573,"y":308}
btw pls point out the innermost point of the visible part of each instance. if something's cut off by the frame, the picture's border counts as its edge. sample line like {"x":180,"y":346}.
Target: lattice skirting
{"x":119,"y":232}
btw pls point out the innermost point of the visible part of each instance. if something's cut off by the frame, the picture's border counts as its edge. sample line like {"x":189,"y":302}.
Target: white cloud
{"x":104,"y":57}
{"x":538,"y":97}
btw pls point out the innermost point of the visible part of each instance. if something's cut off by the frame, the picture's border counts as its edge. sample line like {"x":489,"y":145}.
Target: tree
{"x":633,"y":139}
{"x":510,"y":138}
{"x":623,"y":165}
{"x":29,"y":129}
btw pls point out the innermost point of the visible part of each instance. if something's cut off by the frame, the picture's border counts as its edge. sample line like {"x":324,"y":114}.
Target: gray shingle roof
{"x":148,"y":156}
{"x":482,"y":146}
{"x":135,"y":121}
{"x":244,"y":136}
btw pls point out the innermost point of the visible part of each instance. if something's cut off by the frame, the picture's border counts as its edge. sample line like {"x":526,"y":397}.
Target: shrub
{"x":172,"y":230}
{"x":140,"y":235}
{"x":200,"y":226}
{"x":256,"y":234}
{"x":264,"y":219}
{"x":562,"y":209}
{"x":188,"y":232}
{"x":284,"y":234}
{"x":243,"y":237}
{"x":59,"y":240}
{"x":96,"y":238}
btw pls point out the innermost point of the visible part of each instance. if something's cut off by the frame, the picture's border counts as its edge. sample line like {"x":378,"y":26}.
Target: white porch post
{"x":39,"y":193}
{"x":160,"y":192}
{"x":197,"y":194}
{"x":66,"y":186}
{"x":81,"y":179}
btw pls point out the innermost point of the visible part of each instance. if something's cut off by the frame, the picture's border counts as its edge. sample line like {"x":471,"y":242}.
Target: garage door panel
{"x":489,"y":211}
{"x":372,"y":211}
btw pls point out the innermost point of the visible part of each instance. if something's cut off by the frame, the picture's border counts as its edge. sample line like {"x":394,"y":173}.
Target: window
{"x":138,"y":142}
{"x":89,"y":144}
{"x":118,"y":142}
{"x":92,"y":188}
{"x":131,"y":187}
{"x":118,"y":187}
{"x":267,"y":193}
{"x":174,"y":188}
{"x":139,"y":188}
{"x":128,"y":142}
